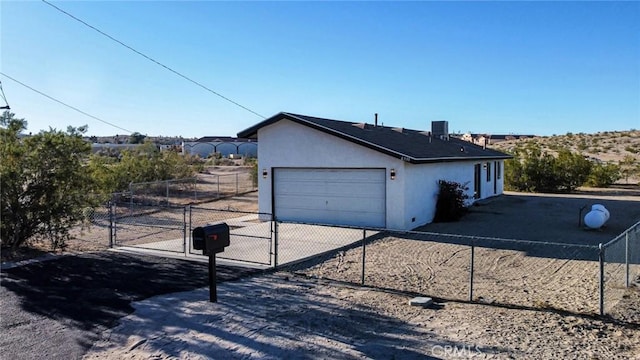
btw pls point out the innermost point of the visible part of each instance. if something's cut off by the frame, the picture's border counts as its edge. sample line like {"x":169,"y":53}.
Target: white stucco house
{"x":339,"y":172}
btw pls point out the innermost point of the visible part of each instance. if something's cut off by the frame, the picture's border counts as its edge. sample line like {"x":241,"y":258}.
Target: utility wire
{"x":153,"y":60}
{"x":65,"y":104}
{"x":6,"y":107}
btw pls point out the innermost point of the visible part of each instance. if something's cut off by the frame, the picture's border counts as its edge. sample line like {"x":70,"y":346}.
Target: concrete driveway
{"x":253,"y":243}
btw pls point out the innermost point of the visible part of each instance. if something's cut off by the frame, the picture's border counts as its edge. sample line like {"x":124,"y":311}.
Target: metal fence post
{"x":167,"y":185}
{"x":275,"y":243}
{"x":364,"y":257}
{"x":626,"y":258}
{"x":115,"y":225}
{"x":471,"y":260}
{"x":195,"y":189}
{"x":601,"y":260}
{"x":184,"y":229}
{"x":110,"y":224}
{"x":190,"y":229}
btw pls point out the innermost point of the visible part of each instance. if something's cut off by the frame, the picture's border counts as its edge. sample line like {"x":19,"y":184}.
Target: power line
{"x":153,"y":60}
{"x":6,"y":107}
{"x":65,"y":104}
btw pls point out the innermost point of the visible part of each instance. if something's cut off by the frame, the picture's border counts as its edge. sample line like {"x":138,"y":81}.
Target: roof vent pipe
{"x":376,"y":120}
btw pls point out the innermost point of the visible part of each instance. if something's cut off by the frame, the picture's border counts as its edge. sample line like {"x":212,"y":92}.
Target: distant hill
{"x":608,"y":146}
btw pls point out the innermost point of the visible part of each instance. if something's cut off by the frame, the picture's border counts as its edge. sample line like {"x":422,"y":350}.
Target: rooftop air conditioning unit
{"x":440,"y":129}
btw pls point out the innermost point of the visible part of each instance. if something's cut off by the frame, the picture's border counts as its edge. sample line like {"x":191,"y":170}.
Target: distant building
{"x":225,"y":145}
{"x":95,"y":147}
{"x":486,"y":139}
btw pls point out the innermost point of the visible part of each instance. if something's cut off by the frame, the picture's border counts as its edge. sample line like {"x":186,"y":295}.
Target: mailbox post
{"x":211,"y":239}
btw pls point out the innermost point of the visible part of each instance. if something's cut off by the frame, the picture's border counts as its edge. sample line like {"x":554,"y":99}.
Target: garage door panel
{"x":308,"y":187}
{"x":332,"y":203}
{"x":332,"y":196}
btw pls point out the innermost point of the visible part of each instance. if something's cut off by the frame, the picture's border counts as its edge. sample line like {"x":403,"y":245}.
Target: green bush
{"x":253,"y":163}
{"x":143,"y":164}
{"x":603,"y":175}
{"x":44,"y":183}
{"x":451,"y":203}
{"x":533,"y":170}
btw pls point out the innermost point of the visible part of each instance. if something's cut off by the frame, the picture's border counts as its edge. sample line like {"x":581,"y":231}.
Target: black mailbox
{"x":211,"y":239}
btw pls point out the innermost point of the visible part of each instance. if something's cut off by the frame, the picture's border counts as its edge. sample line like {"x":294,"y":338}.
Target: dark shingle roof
{"x":414,"y":146}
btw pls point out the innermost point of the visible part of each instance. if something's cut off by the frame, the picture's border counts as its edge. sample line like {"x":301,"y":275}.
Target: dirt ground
{"x":538,"y":302}
{"x":281,"y":316}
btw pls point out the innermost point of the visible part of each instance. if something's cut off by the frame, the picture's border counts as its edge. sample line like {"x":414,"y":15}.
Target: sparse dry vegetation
{"x":620,"y":148}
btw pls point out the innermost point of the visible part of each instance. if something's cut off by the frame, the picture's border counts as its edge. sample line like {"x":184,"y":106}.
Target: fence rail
{"x":177,"y":192}
{"x":571,"y":277}
{"x":621,"y":266}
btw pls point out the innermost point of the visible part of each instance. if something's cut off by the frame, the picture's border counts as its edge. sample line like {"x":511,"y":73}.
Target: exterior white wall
{"x":421,"y":187}
{"x":487,"y":189}
{"x":288,"y":144}
{"x":411,"y":196}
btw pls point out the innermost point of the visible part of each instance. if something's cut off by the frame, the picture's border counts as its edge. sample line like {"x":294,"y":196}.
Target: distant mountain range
{"x":608,"y":146}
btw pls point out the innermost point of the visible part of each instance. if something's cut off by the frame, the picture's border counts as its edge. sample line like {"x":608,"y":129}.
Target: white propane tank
{"x":597,"y":217}
{"x":603,"y":209}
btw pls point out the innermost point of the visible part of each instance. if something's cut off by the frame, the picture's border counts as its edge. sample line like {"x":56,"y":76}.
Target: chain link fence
{"x":535,"y":274}
{"x":206,"y":187}
{"x":531,"y":274}
{"x":457,"y":267}
{"x":251,"y":238}
{"x":150,"y":227}
{"x":621,"y":266}
{"x":92,"y":233}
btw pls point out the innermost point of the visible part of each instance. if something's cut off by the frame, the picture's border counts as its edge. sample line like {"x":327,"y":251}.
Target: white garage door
{"x":331,"y":196}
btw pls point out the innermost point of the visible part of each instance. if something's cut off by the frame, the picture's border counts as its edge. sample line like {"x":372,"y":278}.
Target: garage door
{"x":331,"y":196}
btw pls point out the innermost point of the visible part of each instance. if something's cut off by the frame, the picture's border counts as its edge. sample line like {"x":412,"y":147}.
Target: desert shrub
{"x":603,"y":175}
{"x":45,"y":184}
{"x":451,"y":203}
{"x":534,"y":170}
{"x":253,"y":163}
{"x":631,"y":149}
{"x":628,"y":167}
{"x":143,"y":164}
{"x":582,"y":145}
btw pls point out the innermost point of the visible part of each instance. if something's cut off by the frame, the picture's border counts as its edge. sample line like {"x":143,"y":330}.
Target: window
{"x":488,"y":171}
{"x":498,"y":170}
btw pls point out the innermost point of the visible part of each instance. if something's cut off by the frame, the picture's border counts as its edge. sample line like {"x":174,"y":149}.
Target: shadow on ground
{"x":92,"y":291}
{"x":269,"y":318}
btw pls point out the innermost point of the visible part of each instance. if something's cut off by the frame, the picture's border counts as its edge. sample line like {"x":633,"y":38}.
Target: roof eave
{"x":457,"y":158}
{"x":253,"y":132}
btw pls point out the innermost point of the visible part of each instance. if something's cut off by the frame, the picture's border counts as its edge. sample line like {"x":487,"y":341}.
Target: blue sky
{"x":490,"y":67}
